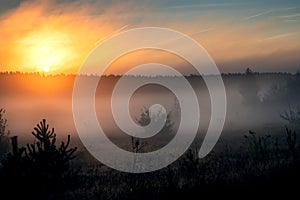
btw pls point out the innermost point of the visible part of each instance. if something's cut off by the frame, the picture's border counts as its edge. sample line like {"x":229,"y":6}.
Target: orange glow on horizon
{"x":36,"y":35}
{"x":45,"y":49}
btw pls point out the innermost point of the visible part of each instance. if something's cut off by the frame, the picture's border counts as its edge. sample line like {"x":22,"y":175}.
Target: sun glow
{"x":46,"y":49}
{"x":46,"y":69}
{"x":36,"y":35}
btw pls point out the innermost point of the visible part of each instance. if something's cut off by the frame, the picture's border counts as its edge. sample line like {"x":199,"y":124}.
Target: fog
{"x":254,"y":102}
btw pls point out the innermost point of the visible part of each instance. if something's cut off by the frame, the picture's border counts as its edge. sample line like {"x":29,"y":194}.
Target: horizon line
{"x":43,"y":74}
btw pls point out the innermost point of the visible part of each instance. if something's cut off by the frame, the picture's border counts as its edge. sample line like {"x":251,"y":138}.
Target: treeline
{"x":248,"y":72}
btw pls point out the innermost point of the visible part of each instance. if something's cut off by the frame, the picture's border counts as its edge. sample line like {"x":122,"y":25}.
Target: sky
{"x":57,"y":36}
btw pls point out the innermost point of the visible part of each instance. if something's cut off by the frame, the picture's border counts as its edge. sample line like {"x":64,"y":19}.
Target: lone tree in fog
{"x":42,"y":159}
{"x":248,"y":71}
{"x":144,"y":120}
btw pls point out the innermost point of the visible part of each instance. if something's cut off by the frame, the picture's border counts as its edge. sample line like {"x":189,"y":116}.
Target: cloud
{"x":205,"y":5}
{"x":39,"y":32}
{"x":115,"y":32}
{"x":291,"y":16}
{"x":5,"y":5}
{"x":268,"y":12}
{"x":279,"y":36}
{"x":258,"y":14}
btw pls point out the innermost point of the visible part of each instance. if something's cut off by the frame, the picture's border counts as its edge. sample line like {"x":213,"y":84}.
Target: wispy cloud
{"x":290,"y":16}
{"x":122,"y":28}
{"x":100,"y":40}
{"x":114,"y":32}
{"x":289,"y":8}
{"x":204,"y":31}
{"x":268,"y":12}
{"x":201,"y":5}
{"x":279,"y":36}
{"x":258,"y":14}
{"x":290,"y":20}
{"x":171,"y":40}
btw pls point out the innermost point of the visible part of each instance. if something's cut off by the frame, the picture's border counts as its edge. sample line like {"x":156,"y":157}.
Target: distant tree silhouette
{"x":248,"y":71}
{"x":144,"y":119}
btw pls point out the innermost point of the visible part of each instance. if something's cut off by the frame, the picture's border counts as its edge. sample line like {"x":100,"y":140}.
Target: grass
{"x":263,"y":164}
{"x":265,"y":167}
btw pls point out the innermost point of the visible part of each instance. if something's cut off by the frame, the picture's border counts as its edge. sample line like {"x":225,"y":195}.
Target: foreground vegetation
{"x":44,"y":170}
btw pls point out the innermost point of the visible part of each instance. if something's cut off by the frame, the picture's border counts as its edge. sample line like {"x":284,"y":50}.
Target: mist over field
{"x":258,"y":145}
{"x":253,"y":101}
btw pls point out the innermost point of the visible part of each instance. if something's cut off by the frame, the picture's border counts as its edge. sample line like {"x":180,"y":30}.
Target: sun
{"x":46,"y":69}
{"x":47,"y":50}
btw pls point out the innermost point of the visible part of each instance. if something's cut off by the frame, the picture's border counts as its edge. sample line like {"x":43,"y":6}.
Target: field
{"x":258,"y":150}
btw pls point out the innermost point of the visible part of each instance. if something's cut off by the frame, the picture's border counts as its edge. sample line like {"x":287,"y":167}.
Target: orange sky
{"x":37,"y":35}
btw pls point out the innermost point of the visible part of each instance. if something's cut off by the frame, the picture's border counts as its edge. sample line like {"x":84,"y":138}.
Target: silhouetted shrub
{"x":42,"y":158}
{"x":292,"y":143}
{"x":292,"y":115}
{"x":260,"y":148}
{"x":40,"y":167}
